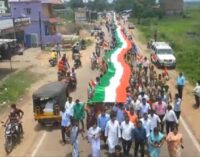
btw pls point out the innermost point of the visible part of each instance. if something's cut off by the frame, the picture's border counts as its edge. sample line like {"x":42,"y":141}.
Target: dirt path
{"x":190,"y":115}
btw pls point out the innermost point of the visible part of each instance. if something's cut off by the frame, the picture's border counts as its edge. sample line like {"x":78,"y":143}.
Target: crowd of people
{"x":138,"y":122}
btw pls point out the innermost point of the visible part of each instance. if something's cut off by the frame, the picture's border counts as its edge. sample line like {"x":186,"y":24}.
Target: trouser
{"x":126,"y":145}
{"x":58,"y":53}
{"x":63,"y":133}
{"x":103,"y":137}
{"x":197,"y":99}
{"x":82,"y":123}
{"x":75,"y":151}
{"x":145,"y":70}
{"x":177,"y":114}
{"x":162,"y":124}
{"x":169,"y":126}
{"x":138,"y":144}
{"x":180,"y":90}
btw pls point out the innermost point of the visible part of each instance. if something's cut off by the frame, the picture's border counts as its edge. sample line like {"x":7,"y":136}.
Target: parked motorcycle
{"x":12,"y":136}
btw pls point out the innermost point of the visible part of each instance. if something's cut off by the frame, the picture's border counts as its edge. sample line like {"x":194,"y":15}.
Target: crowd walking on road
{"x":142,"y":124}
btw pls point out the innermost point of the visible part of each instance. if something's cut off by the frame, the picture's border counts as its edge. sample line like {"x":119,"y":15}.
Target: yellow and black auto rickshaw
{"x":48,"y":101}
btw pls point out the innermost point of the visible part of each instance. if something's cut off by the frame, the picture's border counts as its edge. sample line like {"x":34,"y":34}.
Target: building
{"x":42,"y":30}
{"x":3,"y":8}
{"x":13,"y":28}
{"x":172,"y":6}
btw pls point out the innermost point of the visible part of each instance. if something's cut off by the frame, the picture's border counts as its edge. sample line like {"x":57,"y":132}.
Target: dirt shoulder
{"x":188,"y":112}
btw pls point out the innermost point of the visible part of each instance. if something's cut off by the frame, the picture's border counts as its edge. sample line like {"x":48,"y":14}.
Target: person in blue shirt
{"x":102,"y":120}
{"x":177,"y":105}
{"x":139,"y":136}
{"x":180,"y":83}
{"x":119,"y":110}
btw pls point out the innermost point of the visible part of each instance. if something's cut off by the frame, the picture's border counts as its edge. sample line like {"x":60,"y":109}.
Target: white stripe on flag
{"x":110,"y":90}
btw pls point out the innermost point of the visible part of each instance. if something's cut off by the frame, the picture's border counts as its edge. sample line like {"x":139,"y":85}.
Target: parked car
{"x":162,"y":55}
{"x":131,"y":26}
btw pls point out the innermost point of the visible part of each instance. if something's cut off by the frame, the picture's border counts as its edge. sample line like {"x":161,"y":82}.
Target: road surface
{"x":41,"y":141}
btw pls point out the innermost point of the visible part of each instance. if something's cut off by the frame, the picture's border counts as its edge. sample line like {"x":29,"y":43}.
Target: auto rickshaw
{"x":48,"y":101}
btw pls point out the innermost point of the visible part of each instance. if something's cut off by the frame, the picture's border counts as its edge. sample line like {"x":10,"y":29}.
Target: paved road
{"x":46,"y":141}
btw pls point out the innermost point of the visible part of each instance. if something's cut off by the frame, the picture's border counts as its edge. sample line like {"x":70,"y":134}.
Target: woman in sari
{"x":156,"y":140}
{"x":175,"y":143}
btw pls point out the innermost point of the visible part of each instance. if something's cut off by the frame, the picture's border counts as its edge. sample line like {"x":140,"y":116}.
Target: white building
{"x":2,"y":7}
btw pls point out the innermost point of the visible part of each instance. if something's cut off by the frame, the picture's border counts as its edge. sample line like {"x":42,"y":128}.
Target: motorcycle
{"x":53,"y":61}
{"x":73,"y":82}
{"x":93,"y":64}
{"x":77,"y":60}
{"x":12,"y":136}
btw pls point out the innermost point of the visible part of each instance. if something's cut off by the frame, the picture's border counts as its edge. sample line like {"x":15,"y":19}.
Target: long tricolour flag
{"x":113,"y":84}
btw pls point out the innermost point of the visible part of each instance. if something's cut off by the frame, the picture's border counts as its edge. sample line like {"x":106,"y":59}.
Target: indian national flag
{"x":113,"y":84}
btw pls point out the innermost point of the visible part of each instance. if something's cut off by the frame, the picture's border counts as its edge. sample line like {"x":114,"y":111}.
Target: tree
{"x":75,"y":4}
{"x":98,"y":5}
{"x":121,"y":5}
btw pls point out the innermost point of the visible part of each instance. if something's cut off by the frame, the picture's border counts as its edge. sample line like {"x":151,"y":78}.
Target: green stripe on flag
{"x":99,"y":94}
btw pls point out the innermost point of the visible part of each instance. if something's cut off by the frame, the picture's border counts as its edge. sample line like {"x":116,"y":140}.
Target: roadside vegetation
{"x":16,"y":85}
{"x":183,"y":34}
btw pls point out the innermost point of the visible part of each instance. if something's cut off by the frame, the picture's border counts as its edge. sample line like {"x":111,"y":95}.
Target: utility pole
{"x":40,"y":28}
{"x":14,"y":28}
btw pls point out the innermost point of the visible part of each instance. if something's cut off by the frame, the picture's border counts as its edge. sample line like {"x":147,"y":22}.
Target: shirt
{"x":177,"y":105}
{"x":160,"y":109}
{"x":170,"y":116}
{"x":180,"y":81}
{"x":154,"y":120}
{"x":127,"y":130}
{"x":140,"y":97}
{"x":136,"y":104}
{"x":69,"y":106}
{"x":145,"y":64}
{"x":119,"y":114}
{"x":139,"y":134}
{"x":146,"y":124}
{"x":197,"y":90}
{"x":132,"y":117}
{"x":102,"y":121}
{"x":65,"y":118}
{"x":78,"y":111}
{"x":144,"y":108}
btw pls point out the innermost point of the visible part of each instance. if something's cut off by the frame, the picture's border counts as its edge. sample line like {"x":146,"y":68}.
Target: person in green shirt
{"x":79,"y":112}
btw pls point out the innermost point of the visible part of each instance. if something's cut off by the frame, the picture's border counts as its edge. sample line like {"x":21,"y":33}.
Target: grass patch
{"x":183,"y":34}
{"x":16,"y":85}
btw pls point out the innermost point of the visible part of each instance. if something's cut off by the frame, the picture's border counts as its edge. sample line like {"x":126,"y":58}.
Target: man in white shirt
{"x":127,"y":128}
{"x":143,"y":95}
{"x":65,"y":123}
{"x":144,"y":107}
{"x":155,"y":120}
{"x":136,"y":104}
{"x":145,"y":65}
{"x":146,"y":123}
{"x":170,"y":119}
{"x":197,"y":94}
{"x":113,"y":133}
{"x":69,"y":105}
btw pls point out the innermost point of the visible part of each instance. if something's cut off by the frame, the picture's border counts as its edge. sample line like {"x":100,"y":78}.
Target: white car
{"x":162,"y":55}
